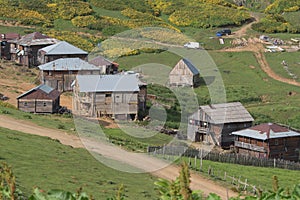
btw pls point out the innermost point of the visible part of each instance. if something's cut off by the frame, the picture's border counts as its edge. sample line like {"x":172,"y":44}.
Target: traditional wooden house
{"x":60,"y":73}
{"x":268,"y":141}
{"x":184,"y":74}
{"x":60,"y":50}
{"x":24,"y":50}
{"x":107,"y":66}
{"x":118,"y":96}
{"x":41,"y":99}
{"x":214,"y":123}
{"x":5,"y":44}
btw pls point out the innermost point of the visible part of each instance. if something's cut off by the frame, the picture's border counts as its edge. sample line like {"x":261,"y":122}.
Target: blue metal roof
{"x":193,"y":69}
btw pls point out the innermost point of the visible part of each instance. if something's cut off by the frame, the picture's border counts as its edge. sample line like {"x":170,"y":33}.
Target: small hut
{"x":41,"y":99}
{"x":184,"y":74}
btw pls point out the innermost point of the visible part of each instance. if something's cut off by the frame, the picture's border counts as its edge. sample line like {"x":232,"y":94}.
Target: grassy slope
{"x":39,"y":161}
{"x":261,"y":177}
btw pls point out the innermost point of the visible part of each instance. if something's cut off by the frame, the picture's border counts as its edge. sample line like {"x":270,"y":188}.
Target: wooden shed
{"x":41,"y":99}
{"x":268,"y":140}
{"x":61,"y":73}
{"x":214,"y":123}
{"x":184,"y":74}
{"x":61,"y":49}
{"x":24,"y":50}
{"x":118,"y":96}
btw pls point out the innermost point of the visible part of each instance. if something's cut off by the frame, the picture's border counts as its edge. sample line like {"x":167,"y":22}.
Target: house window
{"x":276,"y":142}
{"x":25,"y":103}
{"x":107,"y":95}
{"x":45,"y":104}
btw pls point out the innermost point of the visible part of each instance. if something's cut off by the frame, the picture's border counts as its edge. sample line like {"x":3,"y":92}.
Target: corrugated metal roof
{"x":193,"y":69}
{"x":42,"y":91}
{"x":35,"y":38}
{"x":64,"y":64}
{"x":10,"y":36}
{"x":62,"y":48}
{"x":108,"y":83}
{"x":227,"y":113}
{"x":100,"y":61}
{"x":267,"y":131}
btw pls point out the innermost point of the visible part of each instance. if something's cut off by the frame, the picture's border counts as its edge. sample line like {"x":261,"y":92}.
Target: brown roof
{"x":35,"y":38}
{"x":10,"y":36}
{"x":40,"y":92}
{"x":100,"y":61}
{"x":269,"y":127}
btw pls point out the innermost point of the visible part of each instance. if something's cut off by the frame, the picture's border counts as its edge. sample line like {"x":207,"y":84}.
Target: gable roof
{"x":227,"y":113}
{"x":100,"y":61}
{"x":62,"y":48}
{"x":191,"y":67}
{"x":35,"y":38}
{"x":64,"y":64}
{"x":108,"y":83}
{"x":267,"y":131}
{"x":40,"y":92}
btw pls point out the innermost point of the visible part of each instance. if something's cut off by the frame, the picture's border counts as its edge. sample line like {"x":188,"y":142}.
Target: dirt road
{"x":140,"y":161}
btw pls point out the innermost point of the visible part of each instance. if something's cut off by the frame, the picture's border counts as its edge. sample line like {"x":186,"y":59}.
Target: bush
{"x":61,"y":126}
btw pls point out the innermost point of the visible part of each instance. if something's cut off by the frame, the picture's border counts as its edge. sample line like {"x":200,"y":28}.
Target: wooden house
{"x":118,"y":96}
{"x":268,"y":140}
{"x":24,"y":50}
{"x":41,"y":99}
{"x":60,"y":50}
{"x":108,"y":67}
{"x":214,"y":123}
{"x":5,"y":44}
{"x":184,"y":74}
{"x":60,"y":73}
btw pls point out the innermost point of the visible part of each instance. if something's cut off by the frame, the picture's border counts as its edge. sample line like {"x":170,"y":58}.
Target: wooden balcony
{"x":249,"y":146}
{"x":202,"y":130}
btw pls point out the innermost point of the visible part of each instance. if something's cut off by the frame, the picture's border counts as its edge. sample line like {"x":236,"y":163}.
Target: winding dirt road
{"x":140,"y":161}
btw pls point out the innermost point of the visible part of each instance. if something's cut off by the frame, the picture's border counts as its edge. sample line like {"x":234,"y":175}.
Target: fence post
{"x":201,"y":155}
{"x":195,"y":162}
{"x":245,"y":187}
{"x":190,"y":163}
{"x":274,"y":162}
{"x":225,"y":174}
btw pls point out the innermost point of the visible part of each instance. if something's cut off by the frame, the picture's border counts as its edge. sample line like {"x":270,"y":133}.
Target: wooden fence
{"x":233,"y":158}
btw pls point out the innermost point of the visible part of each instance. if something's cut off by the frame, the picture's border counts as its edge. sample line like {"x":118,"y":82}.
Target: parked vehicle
{"x":223,"y":32}
{"x":192,"y":45}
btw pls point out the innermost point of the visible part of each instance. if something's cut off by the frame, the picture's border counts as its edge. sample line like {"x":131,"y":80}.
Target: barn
{"x":214,"y":123}
{"x":61,"y":73}
{"x":61,"y":49}
{"x":41,"y":99}
{"x":118,"y":96}
{"x":184,"y":74}
{"x":268,"y":140}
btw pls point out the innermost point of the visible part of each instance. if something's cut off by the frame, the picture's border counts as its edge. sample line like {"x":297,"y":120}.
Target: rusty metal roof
{"x":68,"y":64}
{"x":267,"y":131}
{"x":100,"y":61}
{"x":227,"y":113}
{"x":34,"y":39}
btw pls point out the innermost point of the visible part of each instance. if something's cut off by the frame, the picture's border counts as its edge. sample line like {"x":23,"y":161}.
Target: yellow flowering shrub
{"x":83,"y":21}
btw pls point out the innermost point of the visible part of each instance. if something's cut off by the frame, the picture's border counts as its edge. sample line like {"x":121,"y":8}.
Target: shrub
{"x":61,"y":126}
{"x":83,"y":21}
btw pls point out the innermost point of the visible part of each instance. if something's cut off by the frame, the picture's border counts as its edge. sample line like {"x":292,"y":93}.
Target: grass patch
{"x":261,"y":177}
{"x":15,"y":29}
{"x":293,"y":63}
{"x":64,"y":25}
{"x":43,"y":162}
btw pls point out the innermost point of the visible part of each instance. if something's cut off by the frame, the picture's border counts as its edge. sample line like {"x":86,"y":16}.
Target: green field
{"x":261,"y":177}
{"x":40,"y":161}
